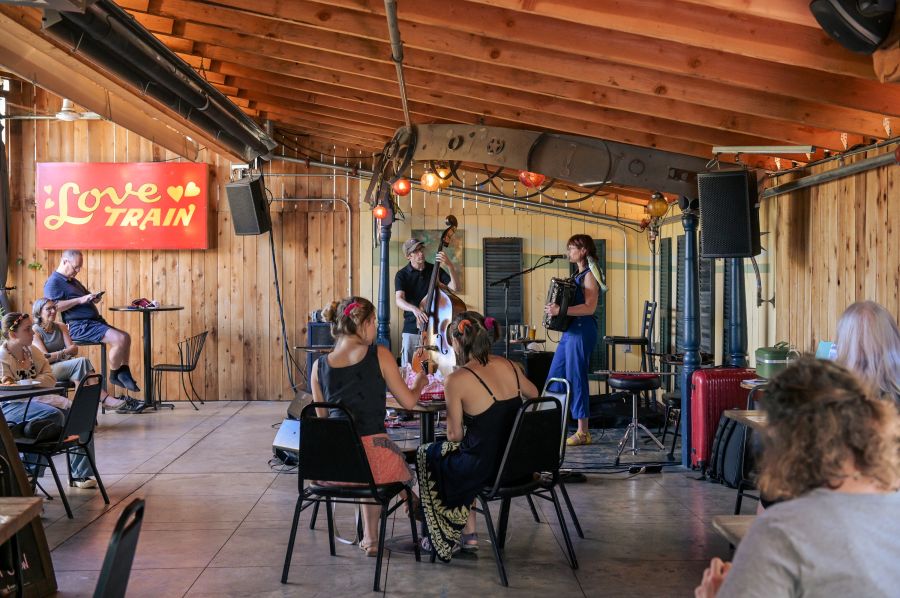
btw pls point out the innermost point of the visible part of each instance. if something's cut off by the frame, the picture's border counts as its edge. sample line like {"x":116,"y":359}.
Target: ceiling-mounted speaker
{"x":858,"y":25}
{"x":249,"y":208}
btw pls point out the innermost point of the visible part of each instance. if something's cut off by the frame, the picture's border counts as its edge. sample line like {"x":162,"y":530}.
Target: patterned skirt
{"x":445,"y":522}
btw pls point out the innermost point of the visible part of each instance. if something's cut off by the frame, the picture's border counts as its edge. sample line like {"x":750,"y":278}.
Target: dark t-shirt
{"x":60,"y":288}
{"x":414,"y":284}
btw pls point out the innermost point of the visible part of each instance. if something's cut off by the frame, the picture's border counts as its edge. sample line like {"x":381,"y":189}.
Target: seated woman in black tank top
{"x":484,"y":395}
{"x":356,"y":375}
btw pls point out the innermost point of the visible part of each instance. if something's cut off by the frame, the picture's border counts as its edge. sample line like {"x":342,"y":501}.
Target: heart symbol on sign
{"x":48,"y":203}
{"x":48,"y":188}
{"x":192,"y":190}
{"x":175,"y":192}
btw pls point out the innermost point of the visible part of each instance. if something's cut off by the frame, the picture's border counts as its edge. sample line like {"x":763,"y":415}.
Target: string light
{"x":380,"y":212}
{"x":531,"y":179}
{"x":402,"y":186}
{"x":430,"y":181}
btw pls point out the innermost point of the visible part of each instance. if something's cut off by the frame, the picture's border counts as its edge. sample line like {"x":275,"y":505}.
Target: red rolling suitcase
{"x":713,"y":391}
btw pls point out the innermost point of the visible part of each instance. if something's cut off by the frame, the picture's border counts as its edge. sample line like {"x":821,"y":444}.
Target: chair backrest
{"x":330,"y":448}
{"x":189,"y":350}
{"x":563,"y":398}
{"x":83,"y":412}
{"x":647,"y":323}
{"x":116,"y":569}
{"x":533,"y":443}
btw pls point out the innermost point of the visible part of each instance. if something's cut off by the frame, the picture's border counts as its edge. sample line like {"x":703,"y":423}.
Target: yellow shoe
{"x":579,"y":439}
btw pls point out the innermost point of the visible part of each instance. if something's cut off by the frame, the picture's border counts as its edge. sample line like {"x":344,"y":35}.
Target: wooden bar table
{"x":426,"y":411}
{"x":753,"y":418}
{"x":16,"y":512}
{"x":148,"y":335}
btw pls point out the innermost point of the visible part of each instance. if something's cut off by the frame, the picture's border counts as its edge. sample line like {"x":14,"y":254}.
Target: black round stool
{"x":635,"y":384}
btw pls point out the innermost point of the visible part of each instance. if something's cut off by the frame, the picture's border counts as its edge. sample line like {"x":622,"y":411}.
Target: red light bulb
{"x":531,"y":179}
{"x":380,"y":212}
{"x":402,"y":186}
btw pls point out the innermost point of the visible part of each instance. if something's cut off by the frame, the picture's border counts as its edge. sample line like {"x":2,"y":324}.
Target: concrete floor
{"x":217,"y":523}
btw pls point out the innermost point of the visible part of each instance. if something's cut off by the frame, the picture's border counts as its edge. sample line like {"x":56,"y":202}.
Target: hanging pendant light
{"x":443,"y":173}
{"x":531,"y":179}
{"x":380,"y":212}
{"x":402,"y":186}
{"x":430,"y":181}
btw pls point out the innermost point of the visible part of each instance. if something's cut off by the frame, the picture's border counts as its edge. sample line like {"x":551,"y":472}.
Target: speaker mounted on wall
{"x":858,"y":25}
{"x":729,"y":214}
{"x":249,"y":208}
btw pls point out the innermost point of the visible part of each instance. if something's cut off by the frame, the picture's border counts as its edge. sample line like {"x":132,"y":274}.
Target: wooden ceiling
{"x":676,"y":75}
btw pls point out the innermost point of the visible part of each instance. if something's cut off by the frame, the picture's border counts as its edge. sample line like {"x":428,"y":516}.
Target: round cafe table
{"x":146,"y":312}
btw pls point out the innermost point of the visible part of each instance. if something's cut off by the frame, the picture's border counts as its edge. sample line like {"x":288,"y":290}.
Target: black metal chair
{"x":77,"y":433}
{"x":332,"y":451}
{"x":530,"y":467}
{"x":563,"y":398}
{"x":104,"y":368}
{"x":116,"y":569}
{"x":189,"y":351}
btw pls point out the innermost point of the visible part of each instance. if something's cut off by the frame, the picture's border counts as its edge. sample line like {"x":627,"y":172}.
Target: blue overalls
{"x":572,"y":357}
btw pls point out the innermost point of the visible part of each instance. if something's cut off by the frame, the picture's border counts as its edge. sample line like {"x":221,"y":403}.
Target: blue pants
{"x":572,"y":360}
{"x":14,"y":412}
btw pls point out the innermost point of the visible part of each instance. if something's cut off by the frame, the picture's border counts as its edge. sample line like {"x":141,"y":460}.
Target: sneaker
{"x":131,"y":406}
{"x":579,"y":439}
{"x":111,"y":402}
{"x":83,"y":483}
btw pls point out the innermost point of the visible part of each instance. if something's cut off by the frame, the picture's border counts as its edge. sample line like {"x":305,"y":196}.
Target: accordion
{"x":562,"y":291}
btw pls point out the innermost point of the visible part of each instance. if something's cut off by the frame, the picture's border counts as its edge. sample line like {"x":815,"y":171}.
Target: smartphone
{"x":97,"y":296}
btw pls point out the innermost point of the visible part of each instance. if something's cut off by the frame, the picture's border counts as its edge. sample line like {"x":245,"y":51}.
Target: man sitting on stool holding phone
{"x":86,"y":325}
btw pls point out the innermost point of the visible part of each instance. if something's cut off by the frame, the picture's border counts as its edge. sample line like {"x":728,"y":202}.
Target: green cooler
{"x":771,"y":360}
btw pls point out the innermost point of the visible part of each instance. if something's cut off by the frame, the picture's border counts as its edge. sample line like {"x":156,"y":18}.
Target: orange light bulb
{"x":430,"y":181}
{"x":531,"y":179}
{"x":380,"y":212}
{"x":444,"y":175}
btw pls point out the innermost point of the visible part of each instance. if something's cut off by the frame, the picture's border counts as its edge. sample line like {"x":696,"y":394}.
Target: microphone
{"x":559,"y":256}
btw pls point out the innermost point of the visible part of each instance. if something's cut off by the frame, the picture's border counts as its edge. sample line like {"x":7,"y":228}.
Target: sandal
{"x":469,"y":542}
{"x":369,"y":549}
{"x":579,"y":439}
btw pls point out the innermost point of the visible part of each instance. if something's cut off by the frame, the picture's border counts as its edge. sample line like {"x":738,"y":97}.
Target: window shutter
{"x":502,"y":257}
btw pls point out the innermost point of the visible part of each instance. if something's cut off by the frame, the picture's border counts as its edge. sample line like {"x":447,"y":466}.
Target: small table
{"x":148,"y":335}
{"x":7,"y":393}
{"x":753,"y":418}
{"x":426,"y":411}
{"x":16,"y":512}
{"x":733,"y":527}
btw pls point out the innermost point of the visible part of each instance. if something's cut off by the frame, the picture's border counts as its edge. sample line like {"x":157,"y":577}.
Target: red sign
{"x":146,"y":205}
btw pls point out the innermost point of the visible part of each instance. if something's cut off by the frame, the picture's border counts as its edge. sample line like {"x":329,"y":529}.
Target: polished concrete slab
{"x":218,"y":517}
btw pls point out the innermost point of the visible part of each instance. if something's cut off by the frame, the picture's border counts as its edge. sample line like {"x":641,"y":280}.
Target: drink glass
{"x":532,"y":333}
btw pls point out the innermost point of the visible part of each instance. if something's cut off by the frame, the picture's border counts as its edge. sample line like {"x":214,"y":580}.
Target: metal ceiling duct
{"x":111,"y":38}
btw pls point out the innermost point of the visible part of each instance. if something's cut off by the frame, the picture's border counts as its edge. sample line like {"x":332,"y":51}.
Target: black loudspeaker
{"x":536,"y":365}
{"x":858,"y":25}
{"x":249,"y":208}
{"x":729,"y":214}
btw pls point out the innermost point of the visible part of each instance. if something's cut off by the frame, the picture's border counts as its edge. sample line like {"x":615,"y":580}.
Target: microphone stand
{"x":505,"y":282}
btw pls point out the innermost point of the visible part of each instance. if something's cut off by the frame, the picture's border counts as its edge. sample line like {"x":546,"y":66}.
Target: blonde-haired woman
{"x":484,"y":394}
{"x":868,"y":343}
{"x":356,"y":375}
{"x":831,"y":455}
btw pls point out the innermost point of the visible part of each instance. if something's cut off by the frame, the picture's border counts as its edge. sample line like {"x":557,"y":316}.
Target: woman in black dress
{"x":484,"y":394}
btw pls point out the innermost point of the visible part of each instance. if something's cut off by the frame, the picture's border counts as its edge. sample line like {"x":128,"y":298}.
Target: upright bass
{"x":440,"y":305}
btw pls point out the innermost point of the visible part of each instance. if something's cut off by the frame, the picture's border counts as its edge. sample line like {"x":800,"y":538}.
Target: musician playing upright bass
{"x":411,"y":286}
{"x":573,"y":354}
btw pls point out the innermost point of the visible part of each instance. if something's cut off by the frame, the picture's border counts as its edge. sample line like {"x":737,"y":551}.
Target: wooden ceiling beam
{"x":428,"y":96}
{"x":571,"y":55}
{"x":659,"y":86}
{"x":788,"y":12}
{"x":677,"y":22}
{"x":297,"y":118}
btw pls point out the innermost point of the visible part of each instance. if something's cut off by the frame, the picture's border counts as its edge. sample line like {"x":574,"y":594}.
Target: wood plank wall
{"x":836,"y":243}
{"x":542,"y":234}
{"x":227,"y":289}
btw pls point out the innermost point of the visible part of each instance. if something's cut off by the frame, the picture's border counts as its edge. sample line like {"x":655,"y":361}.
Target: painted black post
{"x":737,"y":316}
{"x":689,"y":220}
{"x":384,"y":264}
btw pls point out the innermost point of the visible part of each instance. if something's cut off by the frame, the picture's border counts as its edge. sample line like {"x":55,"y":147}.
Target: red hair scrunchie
{"x":349,"y":309}
{"x":489,"y":323}
{"x":461,"y":327}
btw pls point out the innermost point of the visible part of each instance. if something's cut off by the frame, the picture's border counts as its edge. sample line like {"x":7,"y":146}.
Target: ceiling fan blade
{"x":90,"y":116}
{"x":27,"y":118}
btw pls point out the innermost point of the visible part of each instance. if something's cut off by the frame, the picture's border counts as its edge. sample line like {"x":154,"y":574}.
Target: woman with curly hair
{"x":356,"y":375}
{"x":831,"y":447}
{"x":484,"y":394}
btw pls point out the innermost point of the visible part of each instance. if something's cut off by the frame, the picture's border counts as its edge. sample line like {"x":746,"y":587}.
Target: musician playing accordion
{"x":573,"y":354}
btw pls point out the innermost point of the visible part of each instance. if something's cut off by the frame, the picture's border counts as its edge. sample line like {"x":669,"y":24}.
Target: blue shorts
{"x":88,"y":331}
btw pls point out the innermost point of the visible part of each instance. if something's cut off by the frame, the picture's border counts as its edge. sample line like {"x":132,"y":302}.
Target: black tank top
{"x":488,"y":432}
{"x":360,"y":388}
